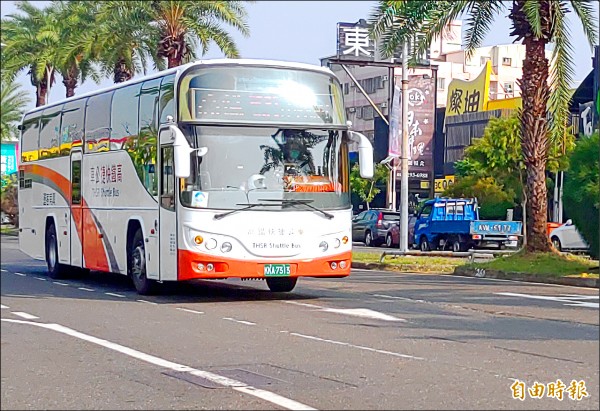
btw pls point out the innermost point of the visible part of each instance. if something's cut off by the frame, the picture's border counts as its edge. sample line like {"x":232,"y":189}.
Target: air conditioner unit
{"x":352,"y":109}
{"x":385,"y":78}
{"x":384,"y":104}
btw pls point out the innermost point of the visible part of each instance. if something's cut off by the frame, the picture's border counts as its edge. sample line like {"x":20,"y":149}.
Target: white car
{"x":567,"y":238}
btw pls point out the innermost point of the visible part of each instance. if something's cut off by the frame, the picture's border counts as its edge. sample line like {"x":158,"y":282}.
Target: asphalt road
{"x":375,"y":340}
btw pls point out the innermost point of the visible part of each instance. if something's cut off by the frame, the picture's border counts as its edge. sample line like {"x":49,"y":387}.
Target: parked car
{"x":380,"y":226}
{"x":372,"y":226}
{"x":567,"y":238}
{"x":392,"y":238}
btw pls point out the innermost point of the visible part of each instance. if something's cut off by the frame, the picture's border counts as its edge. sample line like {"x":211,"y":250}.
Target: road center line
{"x":25,"y":315}
{"x":40,"y":278}
{"x":115,"y":295}
{"x":85,"y":289}
{"x":239,"y":321}
{"x":2,"y":306}
{"x":354,"y":312}
{"x":21,"y":274}
{"x":239,"y":386}
{"x":147,"y":302}
{"x":3,"y":270}
{"x":397,"y":298}
{"x":360,"y":347}
{"x":59,"y":283}
{"x":189,"y":311}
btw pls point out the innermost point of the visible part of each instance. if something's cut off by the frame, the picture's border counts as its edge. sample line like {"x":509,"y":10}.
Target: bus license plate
{"x":277,"y":270}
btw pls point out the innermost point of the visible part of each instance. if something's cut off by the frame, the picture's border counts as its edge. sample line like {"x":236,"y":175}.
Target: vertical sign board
{"x":421,"y":126}
{"x":9,"y":158}
{"x":420,"y":122}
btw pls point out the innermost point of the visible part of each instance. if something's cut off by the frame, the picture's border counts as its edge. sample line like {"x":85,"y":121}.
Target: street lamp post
{"x":404,"y":154}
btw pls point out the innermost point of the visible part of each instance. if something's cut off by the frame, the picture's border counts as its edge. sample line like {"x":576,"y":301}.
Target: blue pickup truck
{"x":453,"y":224}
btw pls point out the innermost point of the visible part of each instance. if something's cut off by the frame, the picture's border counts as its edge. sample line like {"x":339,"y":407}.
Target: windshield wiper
{"x":248,"y":207}
{"x":293,"y":202}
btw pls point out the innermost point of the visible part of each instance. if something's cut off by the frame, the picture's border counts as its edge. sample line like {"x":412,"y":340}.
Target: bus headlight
{"x":211,"y":244}
{"x":324,"y":246}
{"x":226,"y":247}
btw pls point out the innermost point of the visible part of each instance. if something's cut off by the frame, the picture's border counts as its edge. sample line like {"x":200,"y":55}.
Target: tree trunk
{"x":70,"y":85}
{"x":534,"y":123}
{"x":121,"y":72}
{"x":41,"y":93}
{"x":70,"y":80}
{"x":173,"y":49}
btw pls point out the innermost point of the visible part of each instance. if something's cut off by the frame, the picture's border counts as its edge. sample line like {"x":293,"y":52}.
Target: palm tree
{"x":12,"y":105}
{"x":71,"y":20}
{"x":28,"y":45}
{"x":544,"y":86}
{"x":180,"y":24}
{"x":121,"y":40}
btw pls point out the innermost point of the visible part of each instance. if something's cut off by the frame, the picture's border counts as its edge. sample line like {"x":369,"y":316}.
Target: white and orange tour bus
{"x":215,"y":169}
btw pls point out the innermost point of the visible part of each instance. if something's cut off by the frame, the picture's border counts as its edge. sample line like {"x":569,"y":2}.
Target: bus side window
{"x":97,"y":123}
{"x":50,"y":133}
{"x":166,"y":105}
{"x":145,"y":149}
{"x":76,"y":182}
{"x":30,"y":137}
{"x":167,"y":190}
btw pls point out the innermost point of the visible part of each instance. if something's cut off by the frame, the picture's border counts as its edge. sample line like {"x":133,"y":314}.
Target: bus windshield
{"x":249,"y":165}
{"x":255,"y":95}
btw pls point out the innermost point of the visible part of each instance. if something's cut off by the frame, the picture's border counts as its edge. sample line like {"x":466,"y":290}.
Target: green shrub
{"x":492,"y":197}
{"x":581,"y":193}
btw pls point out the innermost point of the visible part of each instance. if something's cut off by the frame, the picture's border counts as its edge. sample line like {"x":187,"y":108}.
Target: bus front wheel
{"x":137,"y":265}
{"x":282,"y":285}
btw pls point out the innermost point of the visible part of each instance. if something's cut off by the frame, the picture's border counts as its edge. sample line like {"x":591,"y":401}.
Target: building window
{"x":506,"y":61}
{"x":441,"y":83}
{"x":508,"y":89}
{"x":367,"y":113}
{"x":346,"y":88}
{"x":483,"y":59}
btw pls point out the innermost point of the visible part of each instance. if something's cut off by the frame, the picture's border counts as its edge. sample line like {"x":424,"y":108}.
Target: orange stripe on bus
{"x":234,"y":268}
{"x":89,"y":235}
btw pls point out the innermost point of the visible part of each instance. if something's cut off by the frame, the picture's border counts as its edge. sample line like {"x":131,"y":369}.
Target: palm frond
{"x":561,"y":75}
{"x":532,"y":12}
{"x":481,"y":17}
{"x":585,"y":12}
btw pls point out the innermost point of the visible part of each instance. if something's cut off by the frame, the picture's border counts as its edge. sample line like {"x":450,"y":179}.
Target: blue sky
{"x":305,"y":31}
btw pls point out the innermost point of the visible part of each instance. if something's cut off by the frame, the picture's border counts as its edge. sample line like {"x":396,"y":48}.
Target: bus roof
{"x":198,"y":63}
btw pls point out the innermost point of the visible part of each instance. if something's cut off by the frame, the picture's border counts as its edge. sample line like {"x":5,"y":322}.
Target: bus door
{"x":167,"y":216}
{"x":76,"y":217}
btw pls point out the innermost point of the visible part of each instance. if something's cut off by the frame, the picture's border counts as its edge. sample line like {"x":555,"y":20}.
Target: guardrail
{"x":470,"y":254}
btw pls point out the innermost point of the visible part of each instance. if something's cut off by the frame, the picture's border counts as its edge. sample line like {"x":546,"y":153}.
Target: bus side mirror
{"x":182,"y":153}
{"x":365,"y":154}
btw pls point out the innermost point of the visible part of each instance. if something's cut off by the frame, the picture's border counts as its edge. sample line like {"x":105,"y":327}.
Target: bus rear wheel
{"x":281,"y":285}
{"x":137,"y":265}
{"x":55,"y":269}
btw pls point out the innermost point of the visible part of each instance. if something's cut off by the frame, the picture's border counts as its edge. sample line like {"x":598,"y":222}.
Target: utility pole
{"x":404,"y":155}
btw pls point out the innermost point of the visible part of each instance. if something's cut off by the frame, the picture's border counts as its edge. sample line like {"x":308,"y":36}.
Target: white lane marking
{"x":360,"y":347}
{"x":25,"y":315}
{"x":21,"y":274}
{"x":40,"y":278}
{"x":85,"y":289}
{"x":570,"y":301}
{"x":239,"y":321}
{"x":398,"y":298}
{"x":239,"y":386}
{"x":3,"y":270}
{"x":59,"y":283}
{"x":3,"y":306}
{"x":190,"y":311}
{"x":147,"y":302}
{"x":355,"y":312}
{"x":582,"y":297}
{"x":115,"y":295}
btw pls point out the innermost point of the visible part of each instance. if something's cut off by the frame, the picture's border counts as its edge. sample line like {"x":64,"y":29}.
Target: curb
{"x":479,"y":273}
{"x":487,"y":273}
